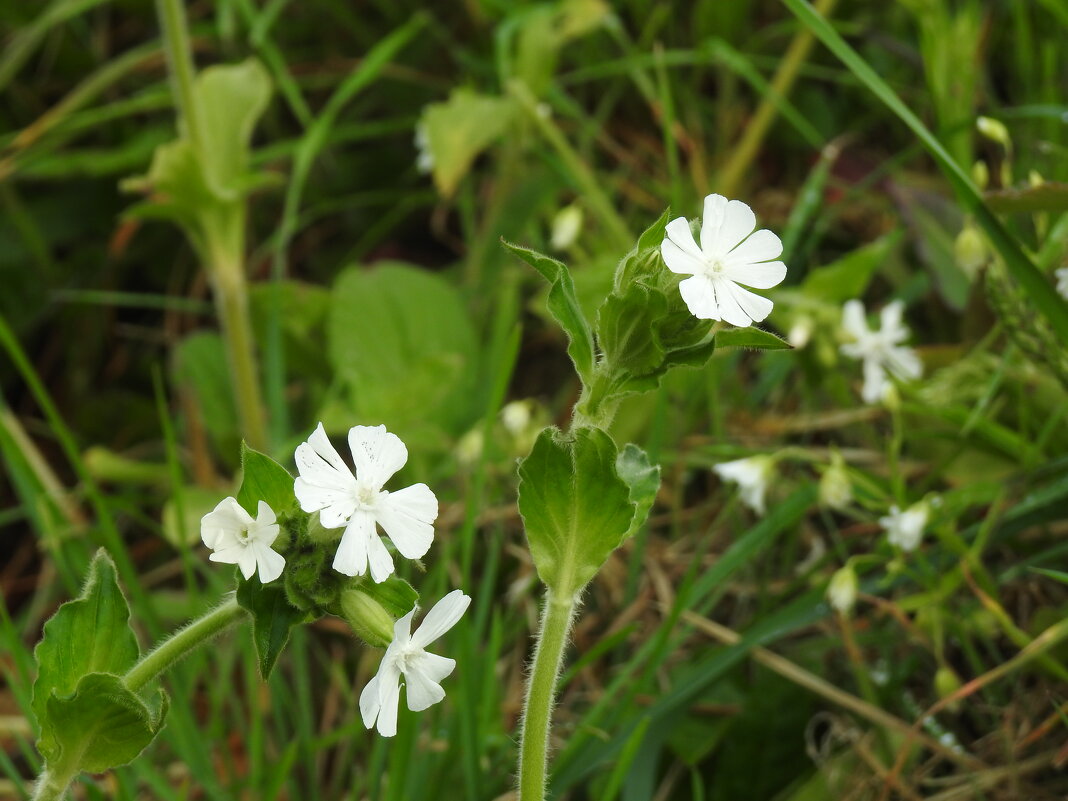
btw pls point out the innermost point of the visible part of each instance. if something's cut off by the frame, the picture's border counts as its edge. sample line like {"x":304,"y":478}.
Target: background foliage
{"x":380,"y":293}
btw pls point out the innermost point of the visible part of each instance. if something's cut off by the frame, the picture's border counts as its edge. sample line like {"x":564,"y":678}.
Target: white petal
{"x":227,"y":517}
{"x":761,"y":246}
{"x":351,"y":556}
{"x":891,"y":319}
{"x":700,"y":297}
{"x":389,"y":700}
{"x":265,"y":535}
{"x":325,"y":483}
{"x":680,"y":251}
{"x":435,"y":667}
{"x":729,"y":307}
{"x":760,"y":276}
{"x":445,"y":614}
{"x":265,"y":515}
{"x":269,"y":563}
{"x":753,"y":306}
{"x":904,"y":363}
{"x":874,"y":381}
{"x":247,"y":562}
{"x":725,"y":223}
{"x":376,"y":453}
{"x":407,"y":516}
{"x":380,"y":560}
{"x":229,"y":555}
{"x":421,"y":690}
{"x":370,"y":701}
{"x":853,"y":319}
{"x":402,"y":630}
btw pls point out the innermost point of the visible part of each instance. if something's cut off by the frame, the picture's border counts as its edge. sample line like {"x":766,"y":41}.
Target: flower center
{"x":406,"y":658}
{"x":244,"y":536}
{"x":714,"y":266}
{"x":365,"y":495}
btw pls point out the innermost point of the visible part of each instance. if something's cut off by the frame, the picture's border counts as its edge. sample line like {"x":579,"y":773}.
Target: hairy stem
{"x":52,"y":784}
{"x":541,"y":696}
{"x":183,"y":642}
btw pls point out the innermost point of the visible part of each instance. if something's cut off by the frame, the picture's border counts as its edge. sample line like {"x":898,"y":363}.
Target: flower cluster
{"x":357,"y":502}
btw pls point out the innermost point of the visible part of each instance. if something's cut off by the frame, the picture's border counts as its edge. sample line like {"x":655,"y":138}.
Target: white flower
{"x":842,"y":589}
{"x":730,"y":254}
{"x":1062,"y":281}
{"x":880,"y":350}
{"x":751,"y":475}
{"x":359,"y":503}
{"x":236,"y":539}
{"x":406,"y":657}
{"x":424,"y":159}
{"x":905,"y":529}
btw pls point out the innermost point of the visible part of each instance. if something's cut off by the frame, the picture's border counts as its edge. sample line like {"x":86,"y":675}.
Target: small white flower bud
{"x":842,"y":589}
{"x":836,"y":490}
{"x":567,"y":225}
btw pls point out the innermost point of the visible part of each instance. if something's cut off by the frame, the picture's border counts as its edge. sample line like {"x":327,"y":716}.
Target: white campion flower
{"x":881,"y":351}
{"x":1062,"y":281}
{"x":905,"y":529}
{"x":407,"y":658}
{"x":731,"y":253}
{"x":751,"y":475}
{"x":326,"y":485}
{"x":236,"y":539}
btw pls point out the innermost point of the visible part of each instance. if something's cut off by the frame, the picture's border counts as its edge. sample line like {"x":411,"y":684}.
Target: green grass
{"x":868,"y":136}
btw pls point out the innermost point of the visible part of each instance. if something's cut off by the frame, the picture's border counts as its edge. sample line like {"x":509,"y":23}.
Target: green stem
{"x":183,"y":642}
{"x":231,"y":303}
{"x":52,"y":784}
{"x":541,"y":695}
{"x":172,"y":22}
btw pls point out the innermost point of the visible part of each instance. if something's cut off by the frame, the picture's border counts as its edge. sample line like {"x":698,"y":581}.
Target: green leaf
{"x":1058,"y":575}
{"x":402,"y":339}
{"x":90,"y":634}
{"x":642,"y":477}
{"x":395,"y":594}
{"x":1049,"y":196}
{"x":459,"y":129}
{"x":753,"y":338}
{"x":1053,"y":307}
{"x":101,"y":725}
{"x":564,"y":307}
{"x":230,"y":99}
{"x":848,"y":277}
{"x":273,"y":618}
{"x":644,"y":261}
{"x":263,"y":479}
{"x":575,"y":507}
{"x":627,"y":328}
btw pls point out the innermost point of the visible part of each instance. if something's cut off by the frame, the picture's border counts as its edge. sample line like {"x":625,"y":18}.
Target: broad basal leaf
{"x":90,"y":634}
{"x":99,"y":726}
{"x":459,"y":129}
{"x":576,"y":508}
{"x":642,"y":477}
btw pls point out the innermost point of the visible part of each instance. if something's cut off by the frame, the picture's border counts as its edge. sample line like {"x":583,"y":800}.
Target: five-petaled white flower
{"x":406,"y":657}
{"x":905,"y":529}
{"x":1062,"y":281}
{"x":731,"y":253}
{"x":751,"y":475}
{"x":326,"y":485}
{"x":236,"y":539}
{"x":880,"y":350}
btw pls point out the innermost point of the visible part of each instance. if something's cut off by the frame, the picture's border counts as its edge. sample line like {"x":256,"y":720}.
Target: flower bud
{"x":801,"y":332}
{"x":368,"y":618}
{"x":969,"y":250}
{"x":842,"y":589}
{"x":981,"y":174}
{"x":836,"y":490}
{"x":946,"y":682}
{"x":567,"y":225}
{"x":995,"y":130}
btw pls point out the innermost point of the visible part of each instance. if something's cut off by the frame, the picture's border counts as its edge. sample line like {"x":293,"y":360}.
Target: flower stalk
{"x":541,"y":695}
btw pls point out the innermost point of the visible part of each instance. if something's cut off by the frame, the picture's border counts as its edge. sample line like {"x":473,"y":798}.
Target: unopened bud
{"x":368,"y":618}
{"x":946,"y":683}
{"x":842,"y":589}
{"x":995,"y":130}
{"x":981,"y":174}
{"x":836,"y":490}
{"x":969,"y":250}
{"x":567,"y":224}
